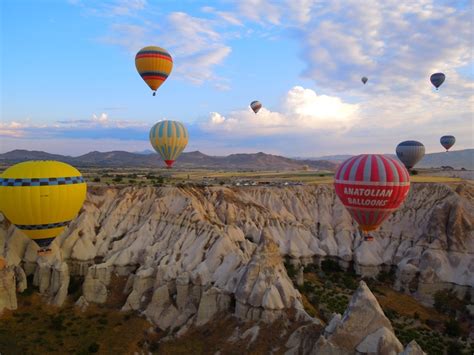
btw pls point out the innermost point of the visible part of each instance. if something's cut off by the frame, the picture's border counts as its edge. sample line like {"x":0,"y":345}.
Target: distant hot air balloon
{"x":364,"y":79}
{"x":41,"y":197}
{"x":154,"y":64}
{"x":410,"y":153}
{"x":169,"y":138}
{"x":371,"y":187}
{"x":437,"y":79}
{"x":447,"y":141}
{"x":255,"y":106}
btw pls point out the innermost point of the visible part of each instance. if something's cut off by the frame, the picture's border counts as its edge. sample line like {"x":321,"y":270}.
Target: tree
{"x":452,"y":328}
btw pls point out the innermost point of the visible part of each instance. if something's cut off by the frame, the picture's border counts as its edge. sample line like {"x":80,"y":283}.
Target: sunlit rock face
{"x":190,"y":253}
{"x":362,"y":327}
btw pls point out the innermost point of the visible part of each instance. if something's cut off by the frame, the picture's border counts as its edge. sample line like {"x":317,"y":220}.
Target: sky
{"x":69,"y":83}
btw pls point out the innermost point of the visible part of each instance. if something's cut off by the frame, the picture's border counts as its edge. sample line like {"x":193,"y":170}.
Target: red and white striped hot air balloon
{"x":371,"y":187}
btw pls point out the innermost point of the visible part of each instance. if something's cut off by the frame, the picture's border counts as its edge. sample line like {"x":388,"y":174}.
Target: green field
{"x":143,"y":177}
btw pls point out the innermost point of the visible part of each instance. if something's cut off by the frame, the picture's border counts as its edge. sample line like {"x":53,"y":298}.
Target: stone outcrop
{"x":363,"y":328}
{"x":191,"y":253}
{"x":7,"y":289}
{"x":413,"y":349}
{"x":265,"y":292}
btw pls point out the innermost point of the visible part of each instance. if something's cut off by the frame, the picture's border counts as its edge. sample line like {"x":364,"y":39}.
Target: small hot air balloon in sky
{"x":371,"y":187}
{"x":364,"y":80}
{"x":410,"y":153}
{"x":256,"y":106}
{"x":41,"y":197}
{"x":169,"y":138}
{"x":154,"y":64}
{"x":447,"y":141}
{"x":437,"y":79}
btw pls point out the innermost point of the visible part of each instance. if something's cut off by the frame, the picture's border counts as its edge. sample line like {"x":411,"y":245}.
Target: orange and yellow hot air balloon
{"x":154,"y":64}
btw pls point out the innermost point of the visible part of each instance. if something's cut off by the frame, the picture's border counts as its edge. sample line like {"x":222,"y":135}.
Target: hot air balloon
{"x":169,"y":138}
{"x":410,"y":153}
{"x":364,"y":79}
{"x":255,"y":106}
{"x":41,"y":197}
{"x":154,"y":64}
{"x":371,"y":187}
{"x":447,"y":141}
{"x":437,"y":79}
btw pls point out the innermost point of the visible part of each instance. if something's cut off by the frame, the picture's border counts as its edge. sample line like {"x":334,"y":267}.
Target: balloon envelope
{"x":437,"y":79}
{"x":41,"y":198}
{"x":255,"y":106}
{"x":410,"y":153}
{"x":169,"y":138}
{"x":154,"y":64}
{"x":364,"y":80}
{"x":447,"y":141}
{"x":371,"y":187}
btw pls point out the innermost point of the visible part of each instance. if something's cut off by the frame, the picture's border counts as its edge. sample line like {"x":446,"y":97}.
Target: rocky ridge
{"x":190,"y":254}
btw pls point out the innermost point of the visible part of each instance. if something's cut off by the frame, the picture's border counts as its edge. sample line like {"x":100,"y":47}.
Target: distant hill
{"x":457,"y":159}
{"x":258,"y":161}
{"x":19,"y":155}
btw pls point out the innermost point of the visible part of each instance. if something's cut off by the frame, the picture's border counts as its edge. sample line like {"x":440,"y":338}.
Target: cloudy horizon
{"x":302,"y":59}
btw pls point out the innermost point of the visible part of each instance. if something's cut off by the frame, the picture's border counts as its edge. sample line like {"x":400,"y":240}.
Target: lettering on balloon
{"x":367,"y":192}
{"x":361,"y":191}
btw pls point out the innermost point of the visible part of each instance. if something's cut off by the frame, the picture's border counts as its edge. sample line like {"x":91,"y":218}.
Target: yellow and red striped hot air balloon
{"x":41,"y":197}
{"x":154,"y":64}
{"x":169,"y":138}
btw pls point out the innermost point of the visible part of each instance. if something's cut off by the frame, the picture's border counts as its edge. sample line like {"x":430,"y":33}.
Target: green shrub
{"x":311,"y":268}
{"x":330,"y":265}
{"x":93,"y":348}
{"x":57,"y":322}
{"x":290,"y":269}
{"x":454,"y":348}
{"x":452,"y":328}
{"x":447,"y":302}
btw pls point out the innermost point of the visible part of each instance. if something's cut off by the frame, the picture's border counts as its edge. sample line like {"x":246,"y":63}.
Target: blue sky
{"x":69,"y":84}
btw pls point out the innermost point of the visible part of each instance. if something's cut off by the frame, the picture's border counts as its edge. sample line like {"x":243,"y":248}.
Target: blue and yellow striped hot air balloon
{"x":169,"y":138}
{"x":41,"y":197}
{"x":154,"y":64}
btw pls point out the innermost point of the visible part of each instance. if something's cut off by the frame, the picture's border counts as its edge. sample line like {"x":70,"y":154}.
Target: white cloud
{"x":96,"y":123}
{"x":261,"y":11}
{"x":11,"y":129}
{"x":197,"y":44}
{"x":224,"y":15}
{"x":301,"y":110}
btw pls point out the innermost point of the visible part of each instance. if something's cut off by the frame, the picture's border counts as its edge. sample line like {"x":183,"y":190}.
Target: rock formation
{"x":189,"y":254}
{"x":363,"y":327}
